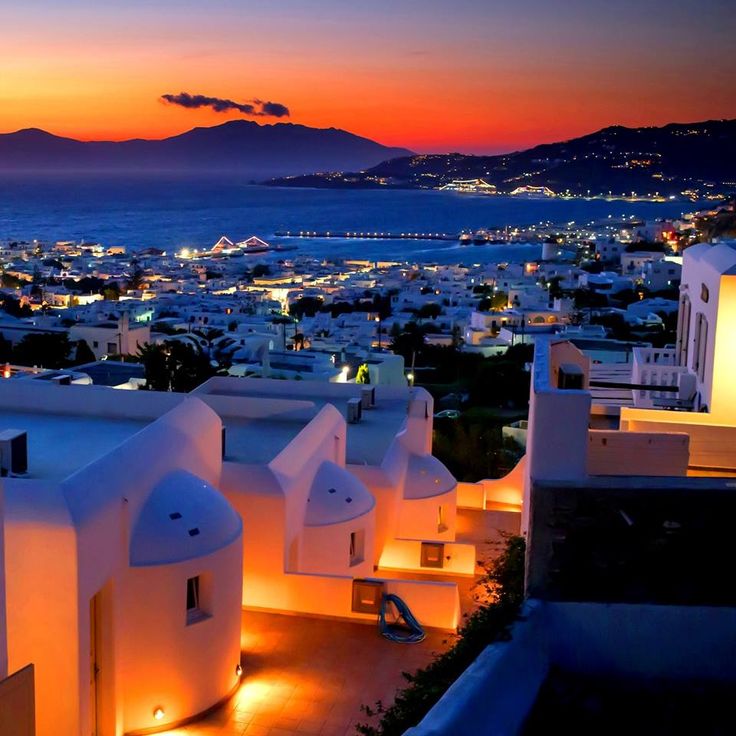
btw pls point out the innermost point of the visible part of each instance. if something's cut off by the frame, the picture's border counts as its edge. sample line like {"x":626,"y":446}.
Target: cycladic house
{"x":136,"y":525}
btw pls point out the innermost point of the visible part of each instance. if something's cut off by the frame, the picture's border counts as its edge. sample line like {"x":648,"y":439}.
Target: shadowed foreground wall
{"x":17,"y":707}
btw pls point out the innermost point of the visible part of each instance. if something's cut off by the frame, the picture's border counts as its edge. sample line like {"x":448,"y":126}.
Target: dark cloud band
{"x":256,"y":107}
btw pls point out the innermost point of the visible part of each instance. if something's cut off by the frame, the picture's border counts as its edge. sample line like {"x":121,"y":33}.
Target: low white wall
{"x":258,"y":408}
{"x":97,"y":401}
{"x":435,"y":604}
{"x":471,"y":495}
{"x":405,"y":554}
{"x":711,"y":445}
{"x":637,"y":453}
{"x":493,"y":696}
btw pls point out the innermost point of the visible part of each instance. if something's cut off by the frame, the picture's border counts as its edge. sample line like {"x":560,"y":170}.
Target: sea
{"x":175,"y":212}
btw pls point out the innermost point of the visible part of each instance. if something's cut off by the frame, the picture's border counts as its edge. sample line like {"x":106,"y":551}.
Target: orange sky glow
{"x":470,"y":76}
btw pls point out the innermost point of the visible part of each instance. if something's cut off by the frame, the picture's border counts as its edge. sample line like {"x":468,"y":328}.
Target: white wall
{"x":166,"y":663}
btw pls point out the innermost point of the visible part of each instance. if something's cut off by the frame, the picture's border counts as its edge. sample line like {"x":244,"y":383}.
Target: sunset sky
{"x":457,"y":75}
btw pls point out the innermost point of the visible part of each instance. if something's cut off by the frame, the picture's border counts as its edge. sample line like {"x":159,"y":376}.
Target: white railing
{"x":655,"y":367}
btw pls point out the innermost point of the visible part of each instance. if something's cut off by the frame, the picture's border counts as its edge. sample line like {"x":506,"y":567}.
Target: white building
{"x":137,"y":524}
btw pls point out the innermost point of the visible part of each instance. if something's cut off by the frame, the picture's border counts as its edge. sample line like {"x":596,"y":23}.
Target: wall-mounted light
{"x":158,"y":713}
{"x":238,"y":669}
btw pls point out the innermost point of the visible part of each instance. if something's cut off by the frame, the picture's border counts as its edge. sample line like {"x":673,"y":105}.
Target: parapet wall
{"x":633,"y":539}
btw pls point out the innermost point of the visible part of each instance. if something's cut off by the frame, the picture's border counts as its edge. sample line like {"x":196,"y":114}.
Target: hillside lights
{"x":158,"y":713}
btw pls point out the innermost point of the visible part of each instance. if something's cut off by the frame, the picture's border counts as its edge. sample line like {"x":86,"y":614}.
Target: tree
{"x":135,"y":281}
{"x":174,"y":366}
{"x":111,"y":292}
{"x":429,"y":311}
{"x":47,"y":349}
{"x":496,"y":302}
{"x":363,"y":375}
{"x":261,"y":269}
{"x":6,"y":349}
{"x":83,"y":353}
{"x":14,"y":308}
{"x":307,"y":306}
{"x":155,"y":367}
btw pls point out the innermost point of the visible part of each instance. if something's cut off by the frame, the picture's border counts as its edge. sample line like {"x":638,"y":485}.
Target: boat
{"x":469,"y":186}
{"x":481,"y":237}
{"x":531,"y":192}
{"x":253,"y":245}
{"x":465,"y":238}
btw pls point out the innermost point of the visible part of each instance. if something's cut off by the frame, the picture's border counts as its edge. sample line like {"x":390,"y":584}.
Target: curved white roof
{"x":426,"y":476}
{"x":184,"y":517}
{"x":336,"y":496}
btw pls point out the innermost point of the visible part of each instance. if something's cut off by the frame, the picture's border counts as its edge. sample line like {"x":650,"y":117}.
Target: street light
{"x":378,"y":320}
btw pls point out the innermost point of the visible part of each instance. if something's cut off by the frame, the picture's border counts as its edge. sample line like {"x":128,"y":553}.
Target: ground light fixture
{"x":238,"y":670}
{"x":158,"y":713}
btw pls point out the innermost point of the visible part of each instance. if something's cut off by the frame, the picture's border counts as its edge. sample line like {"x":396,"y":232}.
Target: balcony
{"x":675,"y":384}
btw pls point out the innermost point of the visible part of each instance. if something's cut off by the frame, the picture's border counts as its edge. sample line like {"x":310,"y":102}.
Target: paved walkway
{"x":310,"y":676}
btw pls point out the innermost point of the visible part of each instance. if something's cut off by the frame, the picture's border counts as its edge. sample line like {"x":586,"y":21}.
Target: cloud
{"x":255,"y":107}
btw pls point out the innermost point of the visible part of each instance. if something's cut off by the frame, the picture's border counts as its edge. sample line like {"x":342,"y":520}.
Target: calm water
{"x":172,"y":213}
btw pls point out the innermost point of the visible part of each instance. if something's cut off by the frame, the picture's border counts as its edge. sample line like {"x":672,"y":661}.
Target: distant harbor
{"x":363,"y":235}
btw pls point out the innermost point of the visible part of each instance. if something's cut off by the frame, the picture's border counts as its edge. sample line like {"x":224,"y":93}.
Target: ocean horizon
{"x":173,"y":212}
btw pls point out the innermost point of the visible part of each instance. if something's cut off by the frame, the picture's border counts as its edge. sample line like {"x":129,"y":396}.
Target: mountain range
{"x":238,"y":146}
{"x":665,"y":160}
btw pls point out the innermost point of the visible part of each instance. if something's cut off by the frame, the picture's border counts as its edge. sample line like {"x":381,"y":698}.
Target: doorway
{"x":101,"y":706}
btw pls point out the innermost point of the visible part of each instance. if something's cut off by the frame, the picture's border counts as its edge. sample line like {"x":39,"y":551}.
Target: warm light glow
{"x":158,"y":713}
{"x":238,"y":670}
{"x":328,"y":75}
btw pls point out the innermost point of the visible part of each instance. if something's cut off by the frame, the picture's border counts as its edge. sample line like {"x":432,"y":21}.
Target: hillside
{"x":666,"y":160}
{"x":238,"y":146}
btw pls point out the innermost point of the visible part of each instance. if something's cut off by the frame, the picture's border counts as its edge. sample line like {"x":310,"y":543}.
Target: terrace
{"x":281,"y":409}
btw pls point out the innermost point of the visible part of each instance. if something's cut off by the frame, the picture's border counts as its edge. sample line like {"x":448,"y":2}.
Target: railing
{"x":654,"y":367}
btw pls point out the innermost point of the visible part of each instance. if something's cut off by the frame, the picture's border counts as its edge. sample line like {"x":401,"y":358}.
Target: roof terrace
{"x":61,"y":444}
{"x":262,"y":416}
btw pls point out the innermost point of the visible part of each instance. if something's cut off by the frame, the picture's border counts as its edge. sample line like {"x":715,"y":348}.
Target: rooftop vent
{"x":194,"y":532}
{"x":13,"y":452}
{"x":176,"y":515}
{"x":355,"y":411}
{"x":570,"y":377}
{"x":368,"y":397}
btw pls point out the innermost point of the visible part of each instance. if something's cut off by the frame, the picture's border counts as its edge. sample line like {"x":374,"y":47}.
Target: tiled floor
{"x":310,"y":676}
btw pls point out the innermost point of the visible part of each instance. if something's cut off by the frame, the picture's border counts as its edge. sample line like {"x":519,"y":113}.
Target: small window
{"x":95,"y":344}
{"x":441,"y":526}
{"x":432,"y":554}
{"x":111,"y":347}
{"x":196,"y":605}
{"x":357,"y":544}
{"x":192,"y":594}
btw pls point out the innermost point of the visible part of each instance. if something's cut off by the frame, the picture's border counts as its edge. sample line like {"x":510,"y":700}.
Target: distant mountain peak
{"x":239,"y":146}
